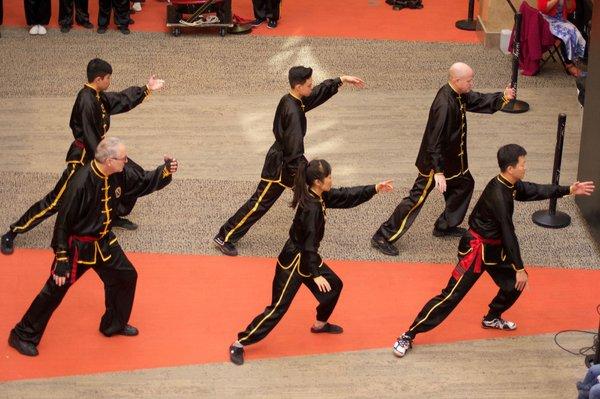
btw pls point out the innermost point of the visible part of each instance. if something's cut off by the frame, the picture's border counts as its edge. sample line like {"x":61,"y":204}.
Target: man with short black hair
{"x":281,"y":162}
{"x":83,"y":239}
{"x":90,"y":121}
{"x":490,"y":245}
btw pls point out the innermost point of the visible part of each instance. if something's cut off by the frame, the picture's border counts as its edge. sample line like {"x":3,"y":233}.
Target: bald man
{"x":442,"y":160}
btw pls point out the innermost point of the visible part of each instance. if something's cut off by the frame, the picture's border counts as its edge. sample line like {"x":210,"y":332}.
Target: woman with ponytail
{"x":299,"y":261}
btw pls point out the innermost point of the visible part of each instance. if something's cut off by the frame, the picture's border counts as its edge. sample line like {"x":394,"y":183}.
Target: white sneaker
{"x":137,"y":6}
{"x":41,"y":30}
{"x":402,"y":345}
{"x":499,"y":324}
{"x":35,"y":30}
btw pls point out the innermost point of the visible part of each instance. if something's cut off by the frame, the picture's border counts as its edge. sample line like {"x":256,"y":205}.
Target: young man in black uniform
{"x":281,"y":162}
{"x":90,"y":121}
{"x":490,"y":245}
{"x":442,"y":160}
{"x":83,"y":239}
{"x":266,"y":10}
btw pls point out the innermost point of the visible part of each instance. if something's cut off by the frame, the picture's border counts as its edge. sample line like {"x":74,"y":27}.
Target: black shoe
{"x":226,"y":247}
{"x":120,"y":222}
{"x":86,"y":24}
{"x":7,"y":244}
{"x":101,"y":29}
{"x":415,"y":4}
{"x":65,"y":28}
{"x":272,"y":24}
{"x":24,"y":348}
{"x":328,"y":329}
{"x":236,"y":355}
{"x":384,"y":246}
{"x":257,"y":21}
{"x":124,"y":30}
{"x":451,"y":232}
{"x":399,"y":5}
{"x":128,"y":331}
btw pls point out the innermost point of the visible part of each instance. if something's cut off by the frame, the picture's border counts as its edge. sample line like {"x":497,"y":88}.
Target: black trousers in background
{"x":261,"y":201}
{"x":66,"y":9}
{"x":266,"y":9}
{"x":48,"y":205}
{"x":119,"y":278}
{"x":457,"y":197}
{"x":286,"y":284}
{"x":121,"y":10}
{"x":37,"y":12}
{"x":440,"y":306}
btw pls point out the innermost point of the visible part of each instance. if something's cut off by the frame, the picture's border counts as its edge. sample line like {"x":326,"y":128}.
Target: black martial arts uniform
{"x":90,"y":121}
{"x":490,"y":245}
{"x":266,"y":9}
{"x":299,"y":262}
{"x":83,"y":236}
{"x":281,"y":162}
{"x":121,"y":10}
{"x":443,"y":150}
{"x":66,"y":9}
{"x":37,"y":12}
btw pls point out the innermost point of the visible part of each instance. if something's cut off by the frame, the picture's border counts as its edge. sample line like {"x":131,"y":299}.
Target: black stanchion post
{"x":553,"y":218}
{"x":469,"y":23}
{"x":516,"y":106}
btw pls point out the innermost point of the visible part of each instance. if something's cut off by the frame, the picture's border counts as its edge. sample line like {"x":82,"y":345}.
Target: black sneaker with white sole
{"x":226,"y":247}
{"x":7,"y":243}
{"x":402,"y":345}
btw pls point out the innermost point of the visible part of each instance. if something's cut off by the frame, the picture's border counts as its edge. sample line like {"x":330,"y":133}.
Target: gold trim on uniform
{"x":254,"y":208}
{"x":419,"y":202}
{"x":438,"y":304}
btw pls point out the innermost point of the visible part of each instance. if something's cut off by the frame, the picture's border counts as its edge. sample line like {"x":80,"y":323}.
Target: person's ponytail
{"x":307,"y":173}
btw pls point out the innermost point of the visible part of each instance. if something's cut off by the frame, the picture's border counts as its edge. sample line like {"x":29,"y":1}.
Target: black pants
{"x":37,"y":12}
{"x":266,"y":9}
{"x":440,"y":306}
{"x":48,"y":205}
{"x":261,"y":201}
{"x":119,"y":278}
{"x":286,"y":284}
{"x":457,"y":197}
{"x":65,"y":12}
{"x":121,"y":10}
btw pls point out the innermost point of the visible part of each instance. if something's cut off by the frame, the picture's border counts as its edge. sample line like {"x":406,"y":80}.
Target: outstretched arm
{"x":327,"y":89}
{"x":349,"y":197}
{"x":131,"y":97}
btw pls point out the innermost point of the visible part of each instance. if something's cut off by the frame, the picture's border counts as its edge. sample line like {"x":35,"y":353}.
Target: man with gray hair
{"x":83,"y":239}
{"x":442,"y":160}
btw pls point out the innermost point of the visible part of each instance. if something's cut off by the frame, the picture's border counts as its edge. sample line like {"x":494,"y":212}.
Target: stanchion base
{"x":466,"y":24}
{"x":556,"y":221}
{"x":515,"y":107}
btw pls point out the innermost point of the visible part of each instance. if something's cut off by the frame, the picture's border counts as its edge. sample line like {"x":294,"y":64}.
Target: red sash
{"x":79,"y":144}
{"x":473,"y":258}
{"x":75,"y":252}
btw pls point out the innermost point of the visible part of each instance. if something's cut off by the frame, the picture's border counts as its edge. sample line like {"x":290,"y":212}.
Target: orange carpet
{"x":364,"y":19}
{"x":189,"y":308}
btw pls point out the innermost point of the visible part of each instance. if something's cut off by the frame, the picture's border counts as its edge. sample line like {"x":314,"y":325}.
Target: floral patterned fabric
{"x":567,"y":32}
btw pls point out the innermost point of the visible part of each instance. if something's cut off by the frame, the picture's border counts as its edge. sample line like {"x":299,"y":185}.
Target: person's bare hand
{"x":440,"y":182}
{"x":354,"y":81}
{"x":522,"y":278}
{"x":510,"y":93}
{"x":582,"y":188}
{"x":322,"y":283}
{"x":171,"y":164}
{"x":155,"y":84}
{"x":384,"y":186}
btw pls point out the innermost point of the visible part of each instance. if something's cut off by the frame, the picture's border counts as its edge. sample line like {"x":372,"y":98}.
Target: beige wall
{"x":495,"y":15}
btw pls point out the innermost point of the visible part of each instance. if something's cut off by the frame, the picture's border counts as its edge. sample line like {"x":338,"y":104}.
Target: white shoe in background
{"x":137,"y":6}
{"x":41,"y":30}
{"x":35,"y":30}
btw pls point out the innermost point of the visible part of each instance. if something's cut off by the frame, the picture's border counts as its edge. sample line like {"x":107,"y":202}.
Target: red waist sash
{"x":473,"y":258}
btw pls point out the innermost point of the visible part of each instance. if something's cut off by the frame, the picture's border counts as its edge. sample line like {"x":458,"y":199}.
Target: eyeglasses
{"x":124,"y":159}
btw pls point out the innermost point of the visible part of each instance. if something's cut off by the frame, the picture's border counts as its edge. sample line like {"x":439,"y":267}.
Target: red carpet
{"x":364,"y":19}
{"x":190,"y":308}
